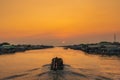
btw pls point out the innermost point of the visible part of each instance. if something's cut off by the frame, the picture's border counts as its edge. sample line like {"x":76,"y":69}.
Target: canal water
{"x":35,"y":65}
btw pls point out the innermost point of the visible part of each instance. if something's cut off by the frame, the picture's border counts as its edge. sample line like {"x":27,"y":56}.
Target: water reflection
{"x":29,"y":66}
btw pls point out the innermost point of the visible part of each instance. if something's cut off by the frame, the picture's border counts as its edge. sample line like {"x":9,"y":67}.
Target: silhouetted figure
{"x":57,"y":64}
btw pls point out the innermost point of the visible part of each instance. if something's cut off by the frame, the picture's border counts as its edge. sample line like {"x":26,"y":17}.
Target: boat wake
{"x":66,"y":74}
{"x":69,"y":73}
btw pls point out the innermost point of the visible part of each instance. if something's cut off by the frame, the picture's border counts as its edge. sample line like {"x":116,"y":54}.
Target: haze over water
{"x":56,"y":22}
{"x":79,"y":66}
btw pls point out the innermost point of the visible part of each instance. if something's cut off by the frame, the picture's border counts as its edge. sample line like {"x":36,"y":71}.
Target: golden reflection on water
{"x":20,"y":62}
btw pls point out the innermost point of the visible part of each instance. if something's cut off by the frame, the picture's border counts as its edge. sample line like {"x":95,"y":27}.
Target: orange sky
{"x":57,"y":21}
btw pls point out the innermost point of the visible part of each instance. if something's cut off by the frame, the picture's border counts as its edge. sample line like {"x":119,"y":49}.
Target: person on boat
{"x":54,"y":63}
{"x":60,"y":64}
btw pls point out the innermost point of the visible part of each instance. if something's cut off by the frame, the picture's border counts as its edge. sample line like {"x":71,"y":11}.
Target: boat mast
{"x":115,"y":37}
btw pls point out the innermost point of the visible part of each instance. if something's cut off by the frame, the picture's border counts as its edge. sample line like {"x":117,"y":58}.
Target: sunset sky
{"x":59,"y":21}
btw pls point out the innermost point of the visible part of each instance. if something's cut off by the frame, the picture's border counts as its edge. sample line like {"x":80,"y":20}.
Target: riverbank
{"x":102,"y":48}
{"x":6,"y":48}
